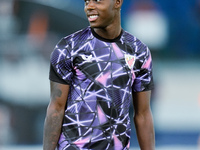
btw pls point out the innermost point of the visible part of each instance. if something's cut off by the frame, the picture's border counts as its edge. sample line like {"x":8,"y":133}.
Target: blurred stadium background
{"x":29,"y":30}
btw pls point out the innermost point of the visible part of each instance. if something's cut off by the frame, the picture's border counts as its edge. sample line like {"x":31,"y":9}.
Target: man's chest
{"x":106,"y":64}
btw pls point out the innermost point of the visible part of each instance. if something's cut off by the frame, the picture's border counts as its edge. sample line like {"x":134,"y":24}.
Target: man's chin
{"x":94,"y":25}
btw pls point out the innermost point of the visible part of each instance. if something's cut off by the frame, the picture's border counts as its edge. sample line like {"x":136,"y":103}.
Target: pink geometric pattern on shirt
{"x":103,"y":78}
{"x":147,"y":63}
{"x":117,"y":142}
{"x":101,"y":115}
{"x":81,"y":143}
{"x":117,"y":51}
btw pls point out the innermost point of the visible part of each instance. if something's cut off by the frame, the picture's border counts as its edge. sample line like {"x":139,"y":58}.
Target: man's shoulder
{"x":130,"y":37}
{"x":133,"y":40}
{"x":74,"y":38}
{"x":82,"y":33}
{"x":66,"y":44}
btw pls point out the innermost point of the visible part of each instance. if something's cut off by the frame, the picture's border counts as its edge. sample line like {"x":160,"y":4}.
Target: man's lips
{"x":92,"y":18}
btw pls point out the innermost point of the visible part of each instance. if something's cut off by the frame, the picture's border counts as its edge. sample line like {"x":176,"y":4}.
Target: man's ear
{"x":118,"y":3}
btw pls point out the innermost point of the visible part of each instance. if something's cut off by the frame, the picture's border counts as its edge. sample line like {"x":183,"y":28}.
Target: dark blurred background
{"x":29,"y":30}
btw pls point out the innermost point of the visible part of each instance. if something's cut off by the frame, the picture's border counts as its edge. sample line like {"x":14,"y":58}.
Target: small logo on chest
{"x":130,"y":60}
{"x":87,"y":58}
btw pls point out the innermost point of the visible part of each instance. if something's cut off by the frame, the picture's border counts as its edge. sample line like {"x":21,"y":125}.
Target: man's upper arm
{"x":141,"y":101}
{"x":59,"y":94}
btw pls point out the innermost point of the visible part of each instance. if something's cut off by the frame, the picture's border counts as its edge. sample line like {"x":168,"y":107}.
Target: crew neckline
{"x":104,"y":39}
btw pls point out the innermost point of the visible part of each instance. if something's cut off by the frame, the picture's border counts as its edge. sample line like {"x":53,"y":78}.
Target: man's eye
{"x":86,"y":1}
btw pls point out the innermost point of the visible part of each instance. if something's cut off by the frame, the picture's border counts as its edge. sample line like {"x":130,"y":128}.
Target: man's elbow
{"x":143,"y":117}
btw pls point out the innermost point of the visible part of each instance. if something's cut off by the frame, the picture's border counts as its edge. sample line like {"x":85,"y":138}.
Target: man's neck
{"x":109,"y":32}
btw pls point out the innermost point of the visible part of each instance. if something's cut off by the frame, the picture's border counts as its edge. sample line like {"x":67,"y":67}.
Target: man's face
{"x":100,"y":13}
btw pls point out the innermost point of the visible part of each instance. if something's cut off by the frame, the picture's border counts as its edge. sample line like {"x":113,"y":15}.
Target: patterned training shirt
{"x":102,"y":75}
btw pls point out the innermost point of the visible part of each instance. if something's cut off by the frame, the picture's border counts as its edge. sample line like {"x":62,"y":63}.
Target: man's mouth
{"x":92,"y":18}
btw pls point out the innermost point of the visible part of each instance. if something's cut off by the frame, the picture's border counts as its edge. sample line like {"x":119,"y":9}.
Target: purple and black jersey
{"x":102,"y":75}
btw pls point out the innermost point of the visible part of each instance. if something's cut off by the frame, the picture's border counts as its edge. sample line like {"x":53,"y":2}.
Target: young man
{"x":95,"y":73}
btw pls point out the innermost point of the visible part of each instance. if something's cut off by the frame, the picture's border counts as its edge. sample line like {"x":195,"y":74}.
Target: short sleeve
{"x":144,"y":77}
{"x":61,"y":70}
